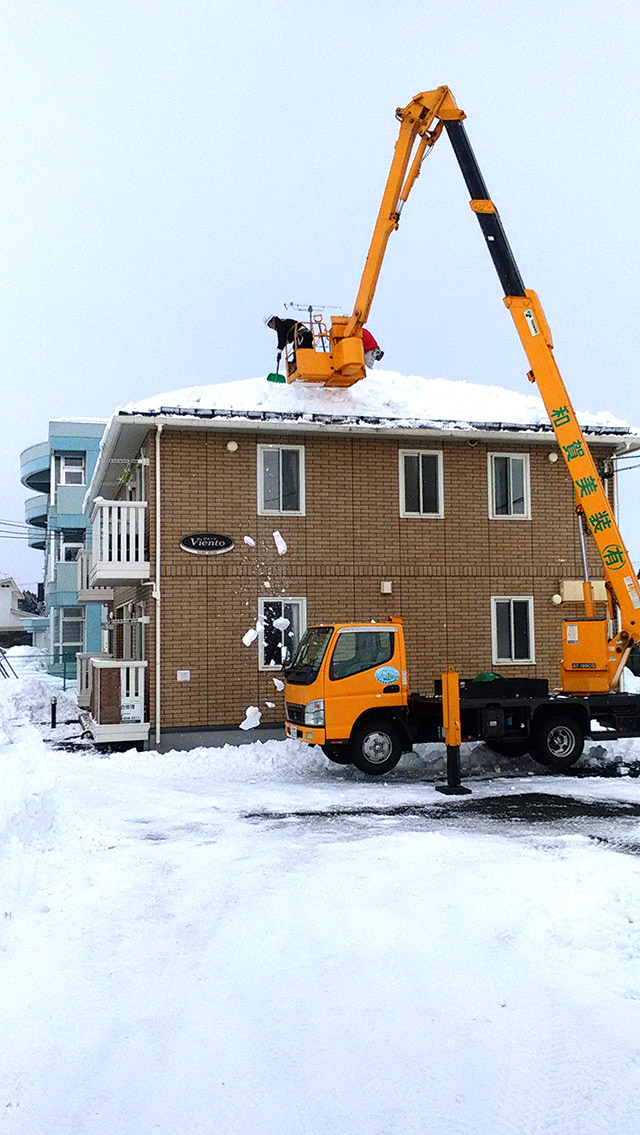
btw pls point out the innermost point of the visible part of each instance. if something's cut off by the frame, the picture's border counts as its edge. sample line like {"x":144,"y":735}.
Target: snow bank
{"x":28,"y":808}
{"x":409,"y":399}
{"x":27,"y":701}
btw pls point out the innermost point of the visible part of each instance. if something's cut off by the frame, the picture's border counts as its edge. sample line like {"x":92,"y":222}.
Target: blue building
{"x":58,"y":471}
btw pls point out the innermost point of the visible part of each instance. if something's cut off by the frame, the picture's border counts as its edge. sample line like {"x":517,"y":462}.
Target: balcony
{"x":118,"y":554}
{"x":87,"y":593}
{"x":35,"y":467}
{"x":116,"y":699}
{"x":36,"y":509}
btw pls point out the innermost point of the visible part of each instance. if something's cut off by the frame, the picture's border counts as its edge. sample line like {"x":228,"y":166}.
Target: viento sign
{"x":206,"y":543}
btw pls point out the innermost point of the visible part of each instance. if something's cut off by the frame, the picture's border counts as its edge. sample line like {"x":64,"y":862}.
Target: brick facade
{"x":443,"y":570}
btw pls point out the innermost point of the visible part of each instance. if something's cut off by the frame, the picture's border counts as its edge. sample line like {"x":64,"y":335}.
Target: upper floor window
{"x":70,"y":469}
{"x":281,"y":480}
{"x":509,"y":495}
{"x":512,"y":629}
{"x":420,"y":483}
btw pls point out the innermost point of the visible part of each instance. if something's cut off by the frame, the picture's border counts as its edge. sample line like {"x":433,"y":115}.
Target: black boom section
{"x":490,"y":223}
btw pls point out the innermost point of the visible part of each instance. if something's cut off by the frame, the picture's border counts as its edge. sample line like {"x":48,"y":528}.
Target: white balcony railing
{"x":118,"y":553}
{"x":84,"y":677}
{"x":117,"y":699}
{"x":87,"y":593}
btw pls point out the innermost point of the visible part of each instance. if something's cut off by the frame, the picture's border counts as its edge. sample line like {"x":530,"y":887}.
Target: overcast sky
{"x":173,"y":169}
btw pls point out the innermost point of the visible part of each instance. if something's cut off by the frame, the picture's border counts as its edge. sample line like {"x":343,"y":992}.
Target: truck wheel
{"x":376,"y":747}
{"x":339,"y":754}
{"x":559,"y":742}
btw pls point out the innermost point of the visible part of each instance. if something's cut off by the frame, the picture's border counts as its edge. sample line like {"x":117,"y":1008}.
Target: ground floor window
{"x":283,"y":621}
{"x":68,"y":631}
{"x":512,"y":629}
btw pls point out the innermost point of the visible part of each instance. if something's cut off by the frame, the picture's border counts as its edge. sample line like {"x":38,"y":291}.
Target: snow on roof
{"x":404,"y":399}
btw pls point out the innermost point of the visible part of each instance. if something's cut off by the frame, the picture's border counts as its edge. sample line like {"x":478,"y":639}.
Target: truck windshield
{"x":305,"y":664}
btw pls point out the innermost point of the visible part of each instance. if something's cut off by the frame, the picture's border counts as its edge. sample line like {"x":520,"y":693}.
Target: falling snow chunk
{"x":250,"y":541}
{"x":251,"y":718}
{"x":280,"y":542}
{"x":279,"y":685}
{"x":281,"y":624}
{"x":249,"y":636}
{"x":270,"y":704}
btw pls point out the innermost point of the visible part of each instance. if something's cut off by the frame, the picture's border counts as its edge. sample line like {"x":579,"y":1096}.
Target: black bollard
{"x":54,"y":710}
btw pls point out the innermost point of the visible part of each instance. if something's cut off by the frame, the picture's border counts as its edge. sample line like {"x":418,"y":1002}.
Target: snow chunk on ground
{"x":381,"y":394}
{"x":252,"y":717}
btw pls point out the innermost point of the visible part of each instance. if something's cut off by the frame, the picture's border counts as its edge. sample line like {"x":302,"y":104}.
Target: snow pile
{"x":27,"y":659}
{"x":27,"y":804}
{"x":408,"y":399}
{"x":27,"y":700}
{"x":28,"y":807}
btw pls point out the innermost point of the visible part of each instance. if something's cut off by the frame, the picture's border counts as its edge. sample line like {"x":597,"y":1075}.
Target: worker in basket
{"x":372,"y":352}
{"x":289,"y":331}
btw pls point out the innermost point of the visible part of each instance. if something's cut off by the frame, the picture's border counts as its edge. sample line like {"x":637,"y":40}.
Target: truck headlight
{"x":314,"y":712}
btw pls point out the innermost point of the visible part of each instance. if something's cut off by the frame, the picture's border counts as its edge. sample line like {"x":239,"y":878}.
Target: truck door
{"x":365,"y":671}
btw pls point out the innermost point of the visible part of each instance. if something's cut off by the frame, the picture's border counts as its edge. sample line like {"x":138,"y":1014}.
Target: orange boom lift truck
{"x":346,"y":686}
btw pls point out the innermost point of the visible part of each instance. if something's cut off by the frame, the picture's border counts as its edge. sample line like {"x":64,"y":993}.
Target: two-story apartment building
{"x":58,"y":471}
{"x":224,"y":529}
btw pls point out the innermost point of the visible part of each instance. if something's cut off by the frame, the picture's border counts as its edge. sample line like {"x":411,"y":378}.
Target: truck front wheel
{"x":559,"y":742}
{"x":376,"y":747}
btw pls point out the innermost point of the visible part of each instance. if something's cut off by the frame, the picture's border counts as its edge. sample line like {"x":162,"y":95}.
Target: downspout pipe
{"x":158,"y":697}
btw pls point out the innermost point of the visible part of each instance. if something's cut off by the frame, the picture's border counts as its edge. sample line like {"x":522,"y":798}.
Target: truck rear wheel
{"x":559,"y":742}
{"x":376,"y":747}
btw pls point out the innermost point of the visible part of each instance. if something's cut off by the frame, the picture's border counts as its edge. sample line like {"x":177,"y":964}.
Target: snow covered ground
{"x":253,"y":940}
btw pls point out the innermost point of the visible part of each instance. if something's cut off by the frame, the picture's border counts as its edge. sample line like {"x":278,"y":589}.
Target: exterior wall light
{"x":552,"y":457}
{"x":556,"y":600}
{"x":232,"y":446}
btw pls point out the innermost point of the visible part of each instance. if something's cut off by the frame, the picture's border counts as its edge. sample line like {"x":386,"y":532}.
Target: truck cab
{"x":347,"y":691}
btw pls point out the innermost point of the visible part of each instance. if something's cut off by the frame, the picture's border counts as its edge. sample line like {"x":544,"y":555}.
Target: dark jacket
{"x":286,"y":329}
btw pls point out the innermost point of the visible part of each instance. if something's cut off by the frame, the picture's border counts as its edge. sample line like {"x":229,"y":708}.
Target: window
{"x":70,"y":469}
{"x":509,"y":496}
{"x":420,"y":483}
{"x":70,"y":546}
{"x":512,"y":629}
{"x":68,"y":631}
{"x":281,"y":479}
{"x":358,"y":650}
{"x":284,"y":622}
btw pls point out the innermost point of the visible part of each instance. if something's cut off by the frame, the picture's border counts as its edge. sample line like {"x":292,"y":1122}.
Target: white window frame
{"x":495,"y":657}
{"x":263,"y":601}
{"x":402,"y":453}
{"x":61,"y":460}
{"x":262,"y":510}
{"x":57,"y":636}
{"x":69,"y":544}
{"x":493,"y":515}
